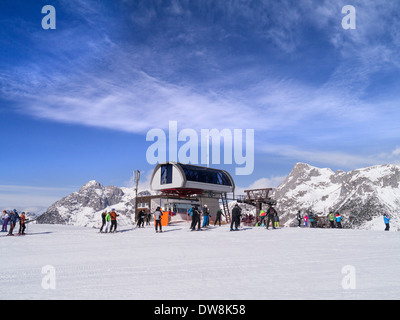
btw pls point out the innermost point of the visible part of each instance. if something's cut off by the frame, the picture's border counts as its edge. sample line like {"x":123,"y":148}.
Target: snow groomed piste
{"x":254,"y":263}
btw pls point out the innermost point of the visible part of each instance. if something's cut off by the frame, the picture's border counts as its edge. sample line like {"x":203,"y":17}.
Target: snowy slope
{"x":290,"y":263}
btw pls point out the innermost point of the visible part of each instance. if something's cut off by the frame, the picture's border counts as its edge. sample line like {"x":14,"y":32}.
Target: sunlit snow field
{"x":68,"y":262}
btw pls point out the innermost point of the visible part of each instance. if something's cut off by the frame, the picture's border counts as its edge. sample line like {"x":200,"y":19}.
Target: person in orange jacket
{"x":114,"y":216}
{"x":22,"y":226}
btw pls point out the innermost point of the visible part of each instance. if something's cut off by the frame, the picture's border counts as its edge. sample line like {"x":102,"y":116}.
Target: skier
{"x":338,"y":219}
{"x":299,"y":218}
{"x":311,"y":217}
{"x":103,"y":220}
{"x":305,"y":220}
{"x":195,"y":219}
{"x":140,"y":219}
{"x":218,"y":219}
{"x":331,"y":218}
{"x":147,"y":217}
{"x":22,"y":224}
{"x":14,"y":217}
{"x":263,"y":214}
{"x":276,"y":220}
{"x":206,"y":216}
{"x":190,"y":214}
{"x":386,"y":219}
{"x":271,"y":216}
{"x":236,"y":213}
{"x":5,"y":223}
{"x":114,"y":216}
{"x":108,"y":219}
{"x":157,"y":218}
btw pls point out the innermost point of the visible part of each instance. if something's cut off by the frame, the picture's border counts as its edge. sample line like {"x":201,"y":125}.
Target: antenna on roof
{"x":208,"y":150}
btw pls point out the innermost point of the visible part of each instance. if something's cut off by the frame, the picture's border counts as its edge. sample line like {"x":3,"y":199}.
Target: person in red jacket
{"x":114,"y":216}
{"x":22,"y":227}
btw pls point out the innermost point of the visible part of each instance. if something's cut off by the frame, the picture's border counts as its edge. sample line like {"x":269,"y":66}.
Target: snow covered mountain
{"x":84,"y":208}
{"x":361,"y":195}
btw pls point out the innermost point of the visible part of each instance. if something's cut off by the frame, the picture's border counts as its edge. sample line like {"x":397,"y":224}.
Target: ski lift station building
{"x":194,"y":185}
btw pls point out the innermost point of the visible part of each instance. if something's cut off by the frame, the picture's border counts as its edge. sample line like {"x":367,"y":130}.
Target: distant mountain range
{"x":361,"y":196}
{"x":84,"y":207}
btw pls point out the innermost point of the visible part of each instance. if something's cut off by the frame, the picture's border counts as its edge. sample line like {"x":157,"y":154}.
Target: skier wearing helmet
{"x":206,"y":216}
{"x":5,"y":223}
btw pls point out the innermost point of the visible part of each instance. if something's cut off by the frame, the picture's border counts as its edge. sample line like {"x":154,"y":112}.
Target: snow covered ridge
{"x":84,"y":208}
{"x":361,"y":195}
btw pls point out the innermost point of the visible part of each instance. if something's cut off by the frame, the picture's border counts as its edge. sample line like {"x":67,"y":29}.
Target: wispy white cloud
{"x":396,"y":151}
{"x":134,"y":87}
{"x":139,"y":102}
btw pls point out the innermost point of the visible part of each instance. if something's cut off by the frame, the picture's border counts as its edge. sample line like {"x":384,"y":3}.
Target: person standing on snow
{"x":103,"y":220}
{"x":271,"y":216}
{"x":276,"y":220}
{"x":190,"y":214}
{"x":5,"y":223}
{"x":140,"y":219}
{"x":331,"y":219}
{"x":206,"y":216}
{"x":14,"y":217}
{"x":386,"y":219}
{"x":218,"y":218}
{"x":236,"y":213}
{"x":305,"y":220}
{"x":263,"y":214}
{"x":108,"y":219}
{"x":147,"y":217}
{"x":157,"y":218}
{"x":311,"y":217}
{"x":22,"y":224}
{"x":195,"y":219}
{"x":338,"y":219}
{"x":299,"y":218}
{"x":114,"y":216}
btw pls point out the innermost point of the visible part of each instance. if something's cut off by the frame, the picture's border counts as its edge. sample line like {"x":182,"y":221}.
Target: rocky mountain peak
{"x":362,"y":195}
{"x":85,"y":206}
{"x":93,"y":184}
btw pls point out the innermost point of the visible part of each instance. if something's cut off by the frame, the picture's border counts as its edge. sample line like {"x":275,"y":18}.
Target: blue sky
{"x":76,"y":102}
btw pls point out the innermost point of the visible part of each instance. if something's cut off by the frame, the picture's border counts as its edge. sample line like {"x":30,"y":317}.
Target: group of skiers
{"x":11,"y":218}
{"x":195,"y":214}
{"x":271,"y":215}
{"x":267,"y":217}
{"x":106,"y":219}
{"x":335,"y":219}
{"x":142,"y":217}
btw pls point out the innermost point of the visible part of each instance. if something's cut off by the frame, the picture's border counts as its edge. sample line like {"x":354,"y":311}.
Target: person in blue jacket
{"x":338,"y":219}
{"x":386,"y":219}
{"x":14,"y":217}
{"x":206,"y":216}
